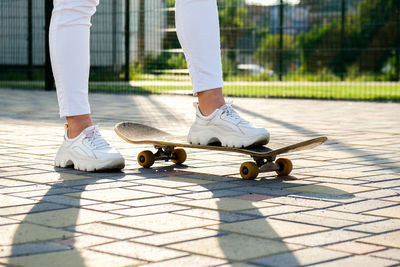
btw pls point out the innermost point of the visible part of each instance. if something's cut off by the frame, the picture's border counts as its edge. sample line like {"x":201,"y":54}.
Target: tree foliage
{"x":368,"y":39}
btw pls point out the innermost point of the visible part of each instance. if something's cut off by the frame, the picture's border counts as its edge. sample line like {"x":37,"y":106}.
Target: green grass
{"x":357,"y":91}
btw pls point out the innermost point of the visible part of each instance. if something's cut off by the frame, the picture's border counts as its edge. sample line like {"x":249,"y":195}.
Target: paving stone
{"x":213,"y":194}
{"x":377,"y":227}
{"x":152,"y":201}
{"x":314,"y":220}
{"x":324,"y":238}
{"x":64,"y":200}
{"x":211,"y":187}
{"x":103,"y":184}
{"x":147,"y":210}
{"x":30,"y":249}
{"x":391,"y":253}
{"x":392,"y":212}
{"x":84,"y":241}
{"x":174,"y":182}
{"x":23,"y":233}
{"x":355,"y":248}
{"x":331,"y":189}
{"x":50,"y":177}
{"x":165,"y":222}
{"x":66,"y":217}
{"x":4,"y":221}
{"x":105,"y":207}
{"x":300,"y":257}
{"x":176,"y":237}
{"x":13,"y":183}
{"x":275,"y":210}
{"x":303,"y":202}
{"x":238,"y":264}
{"x":39,"y":207}
{"x":391,"y":239}
{"x":268,"y":228}
{"x":346,"y":215}
{"x":158,"y":190}
{"x":394,"y":199}
{"x":7,"y":201}
{"x":139,"y":251}
{"x":78,"y":258}
{"x":113,"y":195}
{"x":50,"y":191}
{"x":235,"y":247}
{"x":193,"y":260}
{"x":24,"y":191}
{"x":358,"y":261}
{"x":254,"y":197}
{"x":107,"y":230}
{"x":379,"y":193}
{"x":362,"y":206}
{"x":226,"y":204}
{"x":215,"y":215}
{"x":216,"y":170}
{"x":386,"y":184}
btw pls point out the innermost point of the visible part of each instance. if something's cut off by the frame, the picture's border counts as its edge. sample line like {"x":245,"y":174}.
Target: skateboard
{"x":170,"y":147}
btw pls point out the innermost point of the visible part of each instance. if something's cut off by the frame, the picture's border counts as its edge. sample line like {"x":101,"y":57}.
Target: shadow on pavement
{"x":40,"y":227}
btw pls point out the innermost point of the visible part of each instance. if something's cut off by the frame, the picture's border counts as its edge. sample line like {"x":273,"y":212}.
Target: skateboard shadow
{"x":42,"y":227}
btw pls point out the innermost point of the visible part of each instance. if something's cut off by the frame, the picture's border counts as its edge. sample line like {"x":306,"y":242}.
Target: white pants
{"x":198,"y":32}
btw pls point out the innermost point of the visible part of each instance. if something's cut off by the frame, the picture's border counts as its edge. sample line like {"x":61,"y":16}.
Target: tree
{"x":268,"y":54}
{"x":370,"y":38}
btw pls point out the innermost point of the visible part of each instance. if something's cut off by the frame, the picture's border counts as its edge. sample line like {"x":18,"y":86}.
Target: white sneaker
{"x":88,"y":152}
{"x":226,"y":126}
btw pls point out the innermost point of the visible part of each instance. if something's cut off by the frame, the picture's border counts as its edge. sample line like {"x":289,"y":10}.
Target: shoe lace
{"x":228,"y":110}
{"x":94,"y":137}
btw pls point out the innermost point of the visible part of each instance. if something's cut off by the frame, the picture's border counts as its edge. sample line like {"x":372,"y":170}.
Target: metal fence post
{"x":141,"y":33}
{"x":127,"y":39}
{"x":281,"y":6}
{"x":342,"y":29}
{"x":114,"y":35}
{"x":30,"y":40}
{"x":49,"y":79}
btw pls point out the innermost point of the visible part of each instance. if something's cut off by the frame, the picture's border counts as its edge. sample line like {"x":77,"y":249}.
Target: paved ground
{"x":341,"y":207}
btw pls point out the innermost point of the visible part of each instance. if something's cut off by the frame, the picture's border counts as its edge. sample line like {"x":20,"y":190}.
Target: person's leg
{"x":197,"y":27}
{"x":70,"y":56}
{"x":83,"y":146}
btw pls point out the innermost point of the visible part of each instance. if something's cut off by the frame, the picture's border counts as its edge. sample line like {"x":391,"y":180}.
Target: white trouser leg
{"x":197,"y":26}
{"x":70,"y":53}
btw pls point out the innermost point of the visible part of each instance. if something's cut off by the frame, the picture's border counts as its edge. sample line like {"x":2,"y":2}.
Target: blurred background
{"x":333,"y":49}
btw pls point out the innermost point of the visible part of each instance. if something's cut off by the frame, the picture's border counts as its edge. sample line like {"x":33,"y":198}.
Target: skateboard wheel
{"x":249,"y":170}
{"x":285,"y":165}
{"x":146,"y":159}
{"x":179,"y":156}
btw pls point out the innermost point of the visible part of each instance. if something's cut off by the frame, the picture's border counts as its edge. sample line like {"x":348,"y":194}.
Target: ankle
{"x":77,"y":124}
{"x":210,"y":100}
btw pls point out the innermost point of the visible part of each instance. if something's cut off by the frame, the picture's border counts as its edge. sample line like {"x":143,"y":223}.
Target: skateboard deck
{"x":166,"y":143}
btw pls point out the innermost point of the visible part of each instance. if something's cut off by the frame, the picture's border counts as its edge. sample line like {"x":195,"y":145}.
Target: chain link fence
{"x":341,"y":49}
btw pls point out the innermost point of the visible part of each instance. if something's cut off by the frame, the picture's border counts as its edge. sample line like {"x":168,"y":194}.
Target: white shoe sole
{"x":200,"y":136}
{"x":65,"y":161}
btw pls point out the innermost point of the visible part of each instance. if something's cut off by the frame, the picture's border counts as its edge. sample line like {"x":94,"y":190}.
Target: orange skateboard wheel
{"x":249,"y":170}
{"x":146,"y":159}
{"x":179,"y":155}
{"x":286,"y":166}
